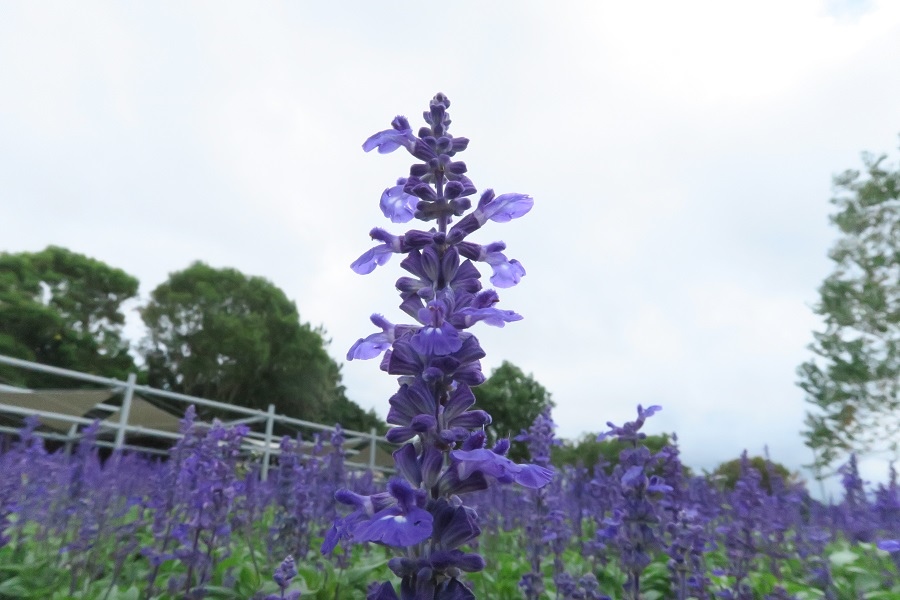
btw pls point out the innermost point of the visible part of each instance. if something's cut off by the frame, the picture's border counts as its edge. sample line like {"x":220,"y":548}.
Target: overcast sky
{"x":680,"y":155}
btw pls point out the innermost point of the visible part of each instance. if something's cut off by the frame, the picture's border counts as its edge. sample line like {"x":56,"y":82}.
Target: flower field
{"x":202,"y":525}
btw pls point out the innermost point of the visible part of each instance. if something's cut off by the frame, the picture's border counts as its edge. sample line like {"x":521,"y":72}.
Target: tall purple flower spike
{"x":443,"y":452}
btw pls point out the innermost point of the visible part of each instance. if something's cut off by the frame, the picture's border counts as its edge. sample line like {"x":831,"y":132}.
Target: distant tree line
{"x":213,"y":333}
{"x":226,"y":336}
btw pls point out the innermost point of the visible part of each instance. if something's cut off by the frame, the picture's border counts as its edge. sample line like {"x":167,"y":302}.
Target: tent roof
{"x":144,"y":414}
{"x":77,"y":403}
{"x":68,"y":402}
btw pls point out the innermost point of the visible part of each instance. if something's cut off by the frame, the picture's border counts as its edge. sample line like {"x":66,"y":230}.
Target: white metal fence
{"x":362,"y":448}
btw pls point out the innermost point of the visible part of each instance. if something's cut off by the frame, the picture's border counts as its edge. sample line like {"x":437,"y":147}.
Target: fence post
{"x":372,"y":446}
{"x":270,"y":422}
{"x":125,"y":410}
{"x":73,"y":429}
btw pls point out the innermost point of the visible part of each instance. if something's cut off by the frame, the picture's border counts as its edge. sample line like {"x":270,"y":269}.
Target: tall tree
{"x":588,"y":451}
{"x":852,"y":383}
{"x":513,"y":400}
{"x":223,"y":335}
{"x":63,"y":309}
{"x":728,"y":473}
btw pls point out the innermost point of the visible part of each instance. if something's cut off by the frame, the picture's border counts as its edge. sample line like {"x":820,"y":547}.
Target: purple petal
{"x":375,"y":344}
{"x":436,"y":341}
{"x":471,"y":461}
{"x":500,"y":468}
{"x":332,"y":537}
{"x":395,"y":528}
{"x":649,"y":411}
{"x":460,"y":400}
{"x":889,"y":545}
{"x":492,"y":316}
{"x":507,"y":273}
{"x":533,"y":476}
{"x":400,"y":435}
{"x":633,"y":476}
{"x":372,"y":258}
{"x":389,"y":140}
{"x":410,"y":401}
{"x":406,"y":462}
{"x":384,"y":592}
{"x":471,"y":419}
{"x":453,"y":589}
{"x":397,"y":205}
{"x":432,"y":463}
{"x":506,"y":207}
{"x":370,"y":347}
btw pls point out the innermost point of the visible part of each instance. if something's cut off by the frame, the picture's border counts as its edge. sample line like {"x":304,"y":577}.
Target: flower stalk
{"x":442,"y":454}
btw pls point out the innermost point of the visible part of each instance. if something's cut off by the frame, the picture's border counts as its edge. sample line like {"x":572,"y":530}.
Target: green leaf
{"x":841,"y":558}
{"x":248,"y":578}
{"x":14,"y":588}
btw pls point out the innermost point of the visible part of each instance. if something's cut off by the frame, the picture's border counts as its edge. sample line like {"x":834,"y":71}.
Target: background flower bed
{"x":203,"y":525}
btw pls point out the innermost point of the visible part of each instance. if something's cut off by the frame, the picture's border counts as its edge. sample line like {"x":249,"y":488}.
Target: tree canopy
{"x":513,"y":400}
{"x":587,"y":451}
{"x":728,"y":473}
{"x":238,"y":339}
{"x":213,"y":333}
{"x":853,"y":381}
{"x":63,"y":309}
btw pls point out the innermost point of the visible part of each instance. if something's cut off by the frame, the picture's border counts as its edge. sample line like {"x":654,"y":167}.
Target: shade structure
{"x":75,"y":403}
{"x":143,"y":414}
{"x":79,"y":403}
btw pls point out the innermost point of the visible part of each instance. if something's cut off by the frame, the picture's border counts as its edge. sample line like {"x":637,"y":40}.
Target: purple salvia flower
{"x":294,"y":502}
{"x":375,"y":344}
{"x":687,"y":532}
{"x":545,"y":526}
{"x":397,"y":205}
{"x":507,"y":273}
{"x":630,"y":432}
{"x":887,"y":503}
{"x":285,"y":573}
{"x":436,"y":360}
{"x":375,"y":257}
{"x":500,"y":468}
{"x":391,"y":139}
{"x":635,"y":524}
{"x":855,"y":509}
{"x":503,"y":208}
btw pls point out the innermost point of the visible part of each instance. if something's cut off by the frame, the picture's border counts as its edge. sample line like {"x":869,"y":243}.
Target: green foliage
{"x":30,"y":572}
{"x":212,"y":333}
{"x":63,"y":309}
{"x":33,"y":567}
{"x":853,"y":383}
{"x":513,"y":400}
{"x":220,"y":334}
{"x":588,"y":452}
{"x":728,"y":473}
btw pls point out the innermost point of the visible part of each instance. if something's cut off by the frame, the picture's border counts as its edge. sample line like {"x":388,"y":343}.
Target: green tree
{"x":588,"y":451}
{"x":63,"y":309}
{"x":226,"y":336}
{"x":513,"y":400}
{"x":852,"y":383}
{"x":728,"y":473}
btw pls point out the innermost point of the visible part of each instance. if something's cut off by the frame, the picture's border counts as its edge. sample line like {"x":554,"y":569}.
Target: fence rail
{"x":256,"y":442}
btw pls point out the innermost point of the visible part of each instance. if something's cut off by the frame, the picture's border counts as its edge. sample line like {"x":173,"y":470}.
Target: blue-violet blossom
{"x":443,"y":451}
